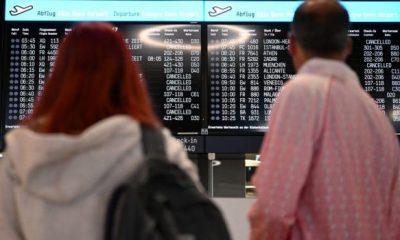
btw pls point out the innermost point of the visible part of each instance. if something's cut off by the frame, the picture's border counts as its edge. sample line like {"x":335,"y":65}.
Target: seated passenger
{"x":81,"y":141}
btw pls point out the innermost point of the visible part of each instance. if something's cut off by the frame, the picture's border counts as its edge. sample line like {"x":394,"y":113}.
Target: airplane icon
{"x":17,"y":10}
{"x":219,"y":10}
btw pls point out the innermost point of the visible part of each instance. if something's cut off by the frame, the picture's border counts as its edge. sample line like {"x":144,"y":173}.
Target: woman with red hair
{"x":82,"y":140}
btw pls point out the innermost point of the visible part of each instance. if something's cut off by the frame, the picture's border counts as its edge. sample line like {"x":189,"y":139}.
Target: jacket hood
{"x":61,"y":167}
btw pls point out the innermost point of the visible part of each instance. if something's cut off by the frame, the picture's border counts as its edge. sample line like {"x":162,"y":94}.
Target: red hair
{"x":93,"y":78}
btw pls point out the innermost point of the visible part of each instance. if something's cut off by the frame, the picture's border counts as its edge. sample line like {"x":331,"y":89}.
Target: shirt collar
{"x":330,"y":68}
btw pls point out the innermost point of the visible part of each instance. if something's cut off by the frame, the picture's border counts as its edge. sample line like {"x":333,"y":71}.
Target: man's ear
{"x":349,"y":47}
{"x":292,"y":48}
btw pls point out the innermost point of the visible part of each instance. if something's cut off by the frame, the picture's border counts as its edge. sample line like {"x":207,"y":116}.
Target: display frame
{"x":204,"y":140}
{"x":2,"y":77}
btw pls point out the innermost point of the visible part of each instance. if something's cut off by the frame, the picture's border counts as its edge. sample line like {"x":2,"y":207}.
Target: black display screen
{"x":247,"y":66}
{"x":212,"y":84}
{"x":169,"y":63}
{"x":169,"y":57}
{"x":376,"y":59}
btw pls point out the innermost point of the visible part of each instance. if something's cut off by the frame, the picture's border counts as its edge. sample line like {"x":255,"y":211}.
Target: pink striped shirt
{"x":329,"y":163}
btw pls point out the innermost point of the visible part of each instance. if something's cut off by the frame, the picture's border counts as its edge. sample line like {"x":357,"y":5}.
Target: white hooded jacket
{"x":56,"y":186}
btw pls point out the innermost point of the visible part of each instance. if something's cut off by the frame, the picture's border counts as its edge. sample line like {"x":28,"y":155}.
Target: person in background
{"x":82,"y":139}
{"x":330,"y":161}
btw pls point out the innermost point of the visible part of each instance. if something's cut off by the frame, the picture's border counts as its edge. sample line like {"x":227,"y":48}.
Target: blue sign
{"x":184,"y":11}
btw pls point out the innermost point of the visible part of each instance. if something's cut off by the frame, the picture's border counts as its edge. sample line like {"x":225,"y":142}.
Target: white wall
{"x":235,"y":212}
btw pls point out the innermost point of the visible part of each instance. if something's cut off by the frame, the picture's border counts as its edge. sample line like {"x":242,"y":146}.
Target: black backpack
{"x":161,"y":202}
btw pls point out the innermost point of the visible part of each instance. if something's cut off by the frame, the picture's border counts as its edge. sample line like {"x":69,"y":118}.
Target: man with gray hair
{"x":330,"y":161}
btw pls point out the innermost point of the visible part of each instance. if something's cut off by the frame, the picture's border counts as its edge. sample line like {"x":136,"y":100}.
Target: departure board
{"x":247,"y":66}
{"x":213,"y":68}
{"x":168,"y":56}
{"x":376,"y":59}
{"x":2,"y":78}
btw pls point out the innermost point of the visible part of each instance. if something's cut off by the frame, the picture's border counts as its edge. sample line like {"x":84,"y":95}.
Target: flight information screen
{"x":376,"y":59}
{"x":213,"y":68}
{"x":247,"y":66}
{"x":168,"y":55}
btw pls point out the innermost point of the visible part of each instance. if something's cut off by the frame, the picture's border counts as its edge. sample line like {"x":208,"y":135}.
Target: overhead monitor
{"x":213,"y":68}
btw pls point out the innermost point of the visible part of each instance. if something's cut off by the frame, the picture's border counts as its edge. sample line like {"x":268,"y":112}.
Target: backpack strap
{"x":155,"y":154}
{"x":153,"y":143}
{"x":116,"y":228}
